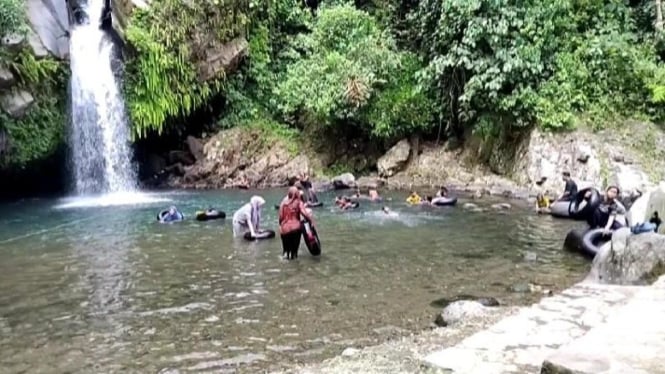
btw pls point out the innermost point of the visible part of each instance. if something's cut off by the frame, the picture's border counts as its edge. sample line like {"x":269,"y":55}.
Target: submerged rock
{"x":501,"y":206}
{"x":459,"y":312}
{"x":487,"y":301}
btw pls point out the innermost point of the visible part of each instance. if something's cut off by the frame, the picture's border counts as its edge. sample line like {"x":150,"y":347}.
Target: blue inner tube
{"x":593,"y":240}
{"x":312,"y":241}
{"x":210,"y":215}
{"x":444,"y":201}
{"x":263,"y":234}
{"x":179,"y":216}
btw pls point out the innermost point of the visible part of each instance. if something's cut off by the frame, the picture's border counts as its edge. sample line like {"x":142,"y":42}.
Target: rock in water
{"x":395,"y":159}
{"x":630,"y":259}
{"x":459,"y":312}
{"x":16,"y":104}
{"x":344,"y":181}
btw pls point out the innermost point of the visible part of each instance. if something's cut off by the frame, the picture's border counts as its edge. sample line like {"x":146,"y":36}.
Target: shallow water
{"x":108,"y":289}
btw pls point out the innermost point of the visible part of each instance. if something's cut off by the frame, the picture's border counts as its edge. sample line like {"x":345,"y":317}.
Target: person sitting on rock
{"x":651,"y":226}
{"x":608,"y":212}
{"x":542,"y":203}
{"x":414,"y":198}
{"x":442,"y":192}
{"x":570,"y":191}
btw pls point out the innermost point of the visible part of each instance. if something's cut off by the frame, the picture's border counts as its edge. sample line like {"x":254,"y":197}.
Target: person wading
{"x":290,"y":230}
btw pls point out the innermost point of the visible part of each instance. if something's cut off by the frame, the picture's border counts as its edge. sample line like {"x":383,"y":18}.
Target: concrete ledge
{"x":631,"y":341}
{"x":520,"y":343}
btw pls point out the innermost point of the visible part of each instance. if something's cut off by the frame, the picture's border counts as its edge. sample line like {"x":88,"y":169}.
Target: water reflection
{"x":118,"y":292}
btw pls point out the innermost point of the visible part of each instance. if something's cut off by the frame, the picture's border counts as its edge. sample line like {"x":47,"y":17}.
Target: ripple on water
{"x":130,"y":295}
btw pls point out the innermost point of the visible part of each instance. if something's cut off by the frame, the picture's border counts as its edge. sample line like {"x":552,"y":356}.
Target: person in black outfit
{"x":570,"y":190}
{"x":607,"y":211}
{"x":655,"y":220}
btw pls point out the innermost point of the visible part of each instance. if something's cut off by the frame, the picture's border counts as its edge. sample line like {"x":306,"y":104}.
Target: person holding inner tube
{"x":570,"y":191}
{"x":442,"y":192}
{"x":290,"y":211}
{"x":171,"y":216}
{"x":606,"y":213}
{"x":248,"y":217}
{"x":414,"y":198}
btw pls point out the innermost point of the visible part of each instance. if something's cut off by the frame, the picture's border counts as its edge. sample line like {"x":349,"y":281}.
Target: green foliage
{"x":12,"y":17}
{"x":40,"y":132}
{"x":349,"y":65}
{"x":535,"y":62}
{"x":163,"y":81}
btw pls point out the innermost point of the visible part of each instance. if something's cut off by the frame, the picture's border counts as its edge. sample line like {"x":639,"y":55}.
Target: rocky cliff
{"x":33,"y":94}
{"x":633,"y":161}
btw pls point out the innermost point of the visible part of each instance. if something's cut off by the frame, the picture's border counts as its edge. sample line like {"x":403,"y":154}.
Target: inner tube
{"x":581,"y":208}
{"x":312,"y":204}
{"x":444,"y":201}
{"x":353,"y":205}
{"x":263,"y":234}
{"x":573,"y":241}
{"x":165,"y":212}
{"x":210,"y":215}
{"x":578,"y":208}
{"x":593,"y":240}
{"x":312,"y":241}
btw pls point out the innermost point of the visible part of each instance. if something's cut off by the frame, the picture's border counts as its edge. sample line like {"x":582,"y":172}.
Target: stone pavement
{"x":588,"y":328}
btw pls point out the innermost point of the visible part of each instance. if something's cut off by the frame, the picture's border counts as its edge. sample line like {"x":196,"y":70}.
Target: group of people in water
{"x":295,"y":211}
{"x":609,"y":213}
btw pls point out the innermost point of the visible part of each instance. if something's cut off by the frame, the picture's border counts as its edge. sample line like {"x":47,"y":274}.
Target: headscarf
{"x":256,"y":202}
{"x":292,"y":194}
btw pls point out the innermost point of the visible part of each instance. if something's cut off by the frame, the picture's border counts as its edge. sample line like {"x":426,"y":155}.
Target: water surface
{"x":108,"y":289}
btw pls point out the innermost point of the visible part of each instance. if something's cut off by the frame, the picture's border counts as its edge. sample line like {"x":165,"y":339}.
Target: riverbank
{"x":258,"y":157}
{"x":586,"y":328}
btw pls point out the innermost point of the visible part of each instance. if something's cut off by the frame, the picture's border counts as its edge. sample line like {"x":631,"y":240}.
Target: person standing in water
{"x":248,"y":217}
{"x":290,"y":231}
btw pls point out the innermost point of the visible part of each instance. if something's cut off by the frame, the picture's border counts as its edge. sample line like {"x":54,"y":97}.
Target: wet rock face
{"x":630,"y":259}
{"x":237,"y":157}
{"x":395,"y":159}
{"x":17,"y":103}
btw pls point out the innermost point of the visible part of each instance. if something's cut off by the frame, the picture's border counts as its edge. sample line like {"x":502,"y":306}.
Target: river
{"x":108,"y":289}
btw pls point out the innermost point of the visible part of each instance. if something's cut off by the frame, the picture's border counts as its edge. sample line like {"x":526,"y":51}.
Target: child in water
{"x":542,"y":203}
{"x":414,"y":198}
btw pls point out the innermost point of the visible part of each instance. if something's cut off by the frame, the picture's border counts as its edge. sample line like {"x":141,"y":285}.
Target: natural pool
{"x":108,"y":289}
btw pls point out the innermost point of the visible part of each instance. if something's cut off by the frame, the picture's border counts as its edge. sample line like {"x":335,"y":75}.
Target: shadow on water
{"x":108,"y":289}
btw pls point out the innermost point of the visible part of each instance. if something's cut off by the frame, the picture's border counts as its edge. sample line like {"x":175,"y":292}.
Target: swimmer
{"x":414,"y":198}
{"x":389,"y":212}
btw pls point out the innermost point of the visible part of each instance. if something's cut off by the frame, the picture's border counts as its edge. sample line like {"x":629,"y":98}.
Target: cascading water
{"x":99,"y":140}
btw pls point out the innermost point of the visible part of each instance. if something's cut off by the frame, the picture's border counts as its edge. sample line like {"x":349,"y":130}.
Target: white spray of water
{"x":101,"y":152}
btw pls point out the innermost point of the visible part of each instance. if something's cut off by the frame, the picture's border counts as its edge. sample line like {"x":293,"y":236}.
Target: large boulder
{"x":17,"y":103}
{"x":630,"y":259}
{"x":547,"y":155}
{"x":50,"y":22}
{"x":628,"y":178}
{"x":195,"y":147}
{"x":643,"y":208}
{"x":395,"y":159}
{"x":6,"y":78}
{"x":344,"y":181}
{"x":369,"y":183}
{"x":222,"y":59}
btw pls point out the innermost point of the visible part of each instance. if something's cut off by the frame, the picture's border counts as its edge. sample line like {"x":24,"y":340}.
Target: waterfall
{"x":99,"y":138}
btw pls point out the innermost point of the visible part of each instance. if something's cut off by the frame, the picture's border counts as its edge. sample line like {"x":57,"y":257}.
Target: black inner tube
{"x":263,"y":234}
{"x":311,"y":237}
{"x":444,"y":201}
{"x":581,"y":213}
{"x":593,"y":240}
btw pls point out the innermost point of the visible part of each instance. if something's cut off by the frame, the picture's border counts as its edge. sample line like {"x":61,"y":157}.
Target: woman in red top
{"x":290,"y":230}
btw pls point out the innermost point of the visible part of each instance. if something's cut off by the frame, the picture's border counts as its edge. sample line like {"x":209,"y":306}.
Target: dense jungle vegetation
{"x":382,"y":69}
